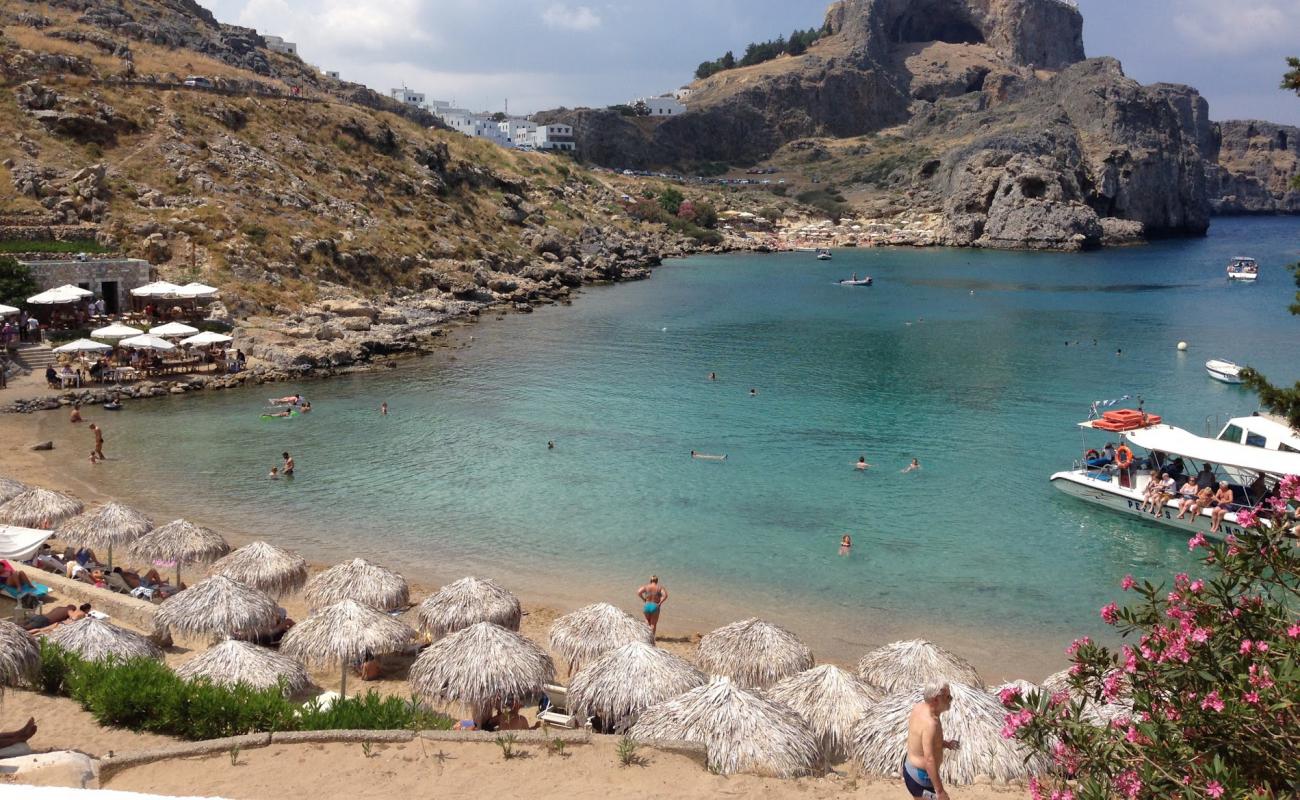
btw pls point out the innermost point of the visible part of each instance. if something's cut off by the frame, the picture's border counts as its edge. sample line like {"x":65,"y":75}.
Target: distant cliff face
{"x":1257,"y":163}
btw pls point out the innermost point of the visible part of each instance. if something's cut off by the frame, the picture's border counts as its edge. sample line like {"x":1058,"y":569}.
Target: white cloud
{"x":1238,"y":26}
{"x":578,"y":18}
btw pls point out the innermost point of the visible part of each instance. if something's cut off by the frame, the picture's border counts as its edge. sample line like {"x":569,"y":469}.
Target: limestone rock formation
{"x":1257,"y":164}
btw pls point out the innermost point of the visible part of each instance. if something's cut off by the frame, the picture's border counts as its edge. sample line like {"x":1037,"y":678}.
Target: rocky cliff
{"x":1256,"y":169}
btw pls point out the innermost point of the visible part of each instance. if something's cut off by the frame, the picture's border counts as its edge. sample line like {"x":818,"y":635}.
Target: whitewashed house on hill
{"x":408,"y":97}
{"x":279,"y":45}
{"x":664,"y":105}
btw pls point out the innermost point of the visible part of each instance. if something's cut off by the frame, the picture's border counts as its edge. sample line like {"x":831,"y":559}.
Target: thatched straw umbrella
{"x":218,"y":607}
{"x":466,"y":602}
{"x":1022,"y":686}
{"x":182,"y":542}
{"x":904,"y":666}
{"x":19,"y":653}
{"x":343,"y":634}
{"x":98,"y":640}
{"x":743,"y":732}
{"x":10,"y":488}
{"x":234,"y":662}
{"x":1097,"y":711}
{"x":479,"y":667}
{"x":753,"y":653}
{"x":975,"y":719}
{"x":831,"y":701}
{"x":40,"y":508}
{"x":266,"y":567}
{"x":359,"y":580}
{"x":622,"y":683}
{"x":108,"y":526}
{"x":594,"y":630}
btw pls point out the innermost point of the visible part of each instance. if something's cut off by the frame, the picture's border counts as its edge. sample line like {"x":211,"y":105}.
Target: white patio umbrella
{"x":196,"y":289}
{"x":7,"y":310}
{"x":206,"y":338}
{"x":147,"y":341}
{"x":83,"y":346}
{"x":66,"y":293}
{"x":173,"y":329}
{"x":115,"y":331}
{"x":157,"y":289}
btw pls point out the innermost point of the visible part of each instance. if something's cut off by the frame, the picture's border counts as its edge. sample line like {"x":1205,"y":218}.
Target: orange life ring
{"x":1091,"y":454}
{"x":1123,"y":457}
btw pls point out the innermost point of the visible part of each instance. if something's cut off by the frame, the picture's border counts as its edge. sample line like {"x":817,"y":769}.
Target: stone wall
{"x":130,"y":273}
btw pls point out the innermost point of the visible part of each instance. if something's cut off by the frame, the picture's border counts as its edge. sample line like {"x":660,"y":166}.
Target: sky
{"x":537,"y":54}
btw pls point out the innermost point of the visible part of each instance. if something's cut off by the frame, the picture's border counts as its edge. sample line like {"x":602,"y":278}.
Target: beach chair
{"x":37,"y":593}
{"x":557,"y":713}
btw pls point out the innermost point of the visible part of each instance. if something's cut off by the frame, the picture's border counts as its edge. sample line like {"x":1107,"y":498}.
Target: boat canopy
{"x":1177,"y":441}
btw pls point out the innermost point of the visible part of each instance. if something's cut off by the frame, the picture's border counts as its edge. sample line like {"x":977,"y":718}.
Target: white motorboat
{"x":1251,"y":453}
{"x":1224,"y":371}
{"x":823,"y":254}
{"x":855,"y":282}
{"x":1242,"y":268}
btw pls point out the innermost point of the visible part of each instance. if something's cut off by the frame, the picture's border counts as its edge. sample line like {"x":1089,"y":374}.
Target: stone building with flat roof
{"x":109,"y":278}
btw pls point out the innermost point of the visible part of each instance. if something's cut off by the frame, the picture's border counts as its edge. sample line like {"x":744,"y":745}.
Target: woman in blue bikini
{"x":654,"y":595}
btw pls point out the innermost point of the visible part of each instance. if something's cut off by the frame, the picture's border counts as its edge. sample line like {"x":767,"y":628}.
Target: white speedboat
{"x":1224,"y":371}
{"x":854,"y":281}
{"x":1251,"y":453}
{"x":1242,"y":268}
{"x":823,"y":254}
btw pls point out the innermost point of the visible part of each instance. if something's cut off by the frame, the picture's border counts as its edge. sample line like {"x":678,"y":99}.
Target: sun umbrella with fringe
{"x":831,"y":701}
{"x":975,"y":720}
{"x":234,"y":662}
{"x":623,"y":682}
{"x":218,"y":607}
{"x":83,"y":346}
{"x":904,"y":666}
{"x":40,"y":508}
{"x":266,"y":567}
{"x":480,"y":667}
{"x":466,"y":602}
{"x":359,"y":580}
{"x":10,"y":488}
{"x":741,"y":731}
{"x":343,"y":634}
{"x":182,"y":542}
{"x":111,"y":525}
{"x":753,"y":653}
{"x":594,"y":630}
{"x":99,"y":640}
{"x":20,"y":655}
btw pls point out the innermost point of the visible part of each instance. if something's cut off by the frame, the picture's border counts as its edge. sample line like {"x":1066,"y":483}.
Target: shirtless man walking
{"x":654,"y":595}
{"x":925,"y":743}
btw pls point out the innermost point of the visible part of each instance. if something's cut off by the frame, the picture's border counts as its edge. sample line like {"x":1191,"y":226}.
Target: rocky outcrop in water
{"x":1256,"y":170}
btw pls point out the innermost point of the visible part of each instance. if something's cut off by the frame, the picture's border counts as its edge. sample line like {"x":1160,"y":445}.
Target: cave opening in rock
{"x":931,"y":21}
{"x":1032,"y":186}
{"x":1281,"y":140}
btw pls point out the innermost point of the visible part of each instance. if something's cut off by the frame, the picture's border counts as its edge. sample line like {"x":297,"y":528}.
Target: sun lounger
{"x":557,"y":713}
{"x":37,"y":590}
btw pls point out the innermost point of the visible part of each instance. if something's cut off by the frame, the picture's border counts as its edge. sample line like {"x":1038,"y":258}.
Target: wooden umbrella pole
{"x":343,"y":683}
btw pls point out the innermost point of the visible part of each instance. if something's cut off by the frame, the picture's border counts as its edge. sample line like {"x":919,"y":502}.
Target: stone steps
{"x":35,"y":357}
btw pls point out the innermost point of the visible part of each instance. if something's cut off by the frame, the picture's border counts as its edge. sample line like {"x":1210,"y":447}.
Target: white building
{"x":664,"y":105}
{"x":408,"y":97}
{"x":554,"y":137}
{"x":480,"y":126}
{"x":278,"y":45}
{"x":332,"y":73}
{"x":438,"y":106}
{"x":519,"y":132}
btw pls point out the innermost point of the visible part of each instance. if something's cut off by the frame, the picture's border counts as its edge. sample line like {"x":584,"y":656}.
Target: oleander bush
{"x":144,"y":695}
{"x":1204,"y":699}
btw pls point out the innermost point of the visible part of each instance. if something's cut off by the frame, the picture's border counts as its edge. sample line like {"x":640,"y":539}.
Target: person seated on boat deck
{"x":1258,"y":491}
{"x":1187,"y":494}
{"x":1204,"y":500}
{"x":1205,"y":477}
{"x":1151,"y":492}
{"x":1167,"y":490}
{"x":1107,"y":455}
{"x":1223,"y":503}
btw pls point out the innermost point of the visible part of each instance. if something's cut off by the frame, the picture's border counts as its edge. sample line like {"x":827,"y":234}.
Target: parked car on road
{"x":197,"y":82}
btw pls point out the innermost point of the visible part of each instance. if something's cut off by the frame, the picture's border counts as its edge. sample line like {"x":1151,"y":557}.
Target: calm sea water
{"x":957,"y":358}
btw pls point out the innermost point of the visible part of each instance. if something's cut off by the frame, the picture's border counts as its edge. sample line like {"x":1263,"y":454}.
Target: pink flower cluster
{"x":1260,"y":677}
{"x":1294,"y":631}
{"x":1009,"y":695}
{"x":1076,"y":644}
{"x":1128,"y":784}
{"x":1112,"y":685}
{"x":1290,"y":487}
{"x":1015,"y":721}
{"x":1127,"y":583}
{"x":1214,"y":789}
{"x":1110,"y":613}
{"x":1196,"y":541}
{"x":1247,"y":517}
{"x":1212,"y":701}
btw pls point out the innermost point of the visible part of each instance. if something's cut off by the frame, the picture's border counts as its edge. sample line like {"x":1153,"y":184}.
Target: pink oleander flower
{"x":1076,"y":644}
{"x":1111,"y":685}
{"x":1009,"y":694}
{"x":1128,"y":784}
{"x":1015,"y":721}
{"x":1035,"y":791}
{"x":1063,"y":794}
{"x":1261,"y":647}
{"x":1196,"y":541}
{"x":1200,"y":635}
{"x":1245,"y":646}
{"x":1212,"y":701}
{"x":1110,"y":613}
{"x":1196,"y":585}
{"x":1250,"y":697}
{"x":1277,"y":504}
{"x":1247,"y":517}
{"x":1294,"y":631}
{"x":1214,"y":789}
{"x":1290,"y":487}
{"x":1127,"y":583}
{"x":1130,"y":660}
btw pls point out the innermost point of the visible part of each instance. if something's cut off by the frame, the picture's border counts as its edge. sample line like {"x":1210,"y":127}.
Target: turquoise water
{"x":979,"y":386}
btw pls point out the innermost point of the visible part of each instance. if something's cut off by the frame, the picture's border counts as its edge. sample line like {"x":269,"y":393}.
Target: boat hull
{"x":1223,"y":377}
{"x":1242,"y":276}
{"x":1109,"y":494}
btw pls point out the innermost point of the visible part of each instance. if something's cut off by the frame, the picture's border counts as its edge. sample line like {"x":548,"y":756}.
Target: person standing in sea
{"x":288,"y":465}
{"x":846,"y":544}
{"x":654,"y":594}
{"x":99,"y":441}
{"x":383,"y":409}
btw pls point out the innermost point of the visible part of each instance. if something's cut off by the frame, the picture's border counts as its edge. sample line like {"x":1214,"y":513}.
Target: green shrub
{"x":372,"y":712}
{"x":56,"y":664}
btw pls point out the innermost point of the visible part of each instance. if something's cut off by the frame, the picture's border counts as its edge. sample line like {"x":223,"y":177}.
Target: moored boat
{"x":1224,"y":371}
{"x":823,"y":254}
{"x":1243,"y":268}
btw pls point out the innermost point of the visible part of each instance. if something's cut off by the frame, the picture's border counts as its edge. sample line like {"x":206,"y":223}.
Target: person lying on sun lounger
{"x":15,"y":578}
{"x":40,"y":624}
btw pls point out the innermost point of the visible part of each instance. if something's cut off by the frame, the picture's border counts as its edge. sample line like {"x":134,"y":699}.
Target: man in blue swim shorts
{"x":654,"y":595}
{"x":925,"y":743}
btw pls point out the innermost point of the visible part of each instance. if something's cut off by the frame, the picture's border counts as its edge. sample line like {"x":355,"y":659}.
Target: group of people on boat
{"x":1198,"y":492}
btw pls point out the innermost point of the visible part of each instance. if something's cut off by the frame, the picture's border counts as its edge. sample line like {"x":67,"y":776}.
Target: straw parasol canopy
{"x":480,"y":667}
{"x":10,"y":488}
{"x":904,"y":666}
{"x":98,"y":640}
{"x":361,"y":581}
{"x":594,"y":630}
{"x":40,"y":508}
{"x":111,"y":525}
{"x":266,"y":567}
{"x":234,"y":662}
{"x":1024,"y":687}
{"x":343,"y":634}
{"x":19,"y":653}
{"x":182,"y":542}
{"x":465,"y":602}
{"x":220,"y":607}
{"x":975,"y":719}
{"x":83,"y":346}
{"x":753,"y":653}
{"x":1098,"y":712}
{"x":831,"y":701}
{"x":622,"y":683}
{"x":742,"y":731}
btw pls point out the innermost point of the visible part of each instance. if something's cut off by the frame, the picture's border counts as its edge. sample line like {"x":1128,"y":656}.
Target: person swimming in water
{"x":846,"y":544}
{"x":654,"y":594}
{"x":713,"y":376}
{"x":383,"y":409}
{"x":753,"y":392}
{"x":862,"y":463}
{"x":550,"y":445}
{"x":913,"y":467}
